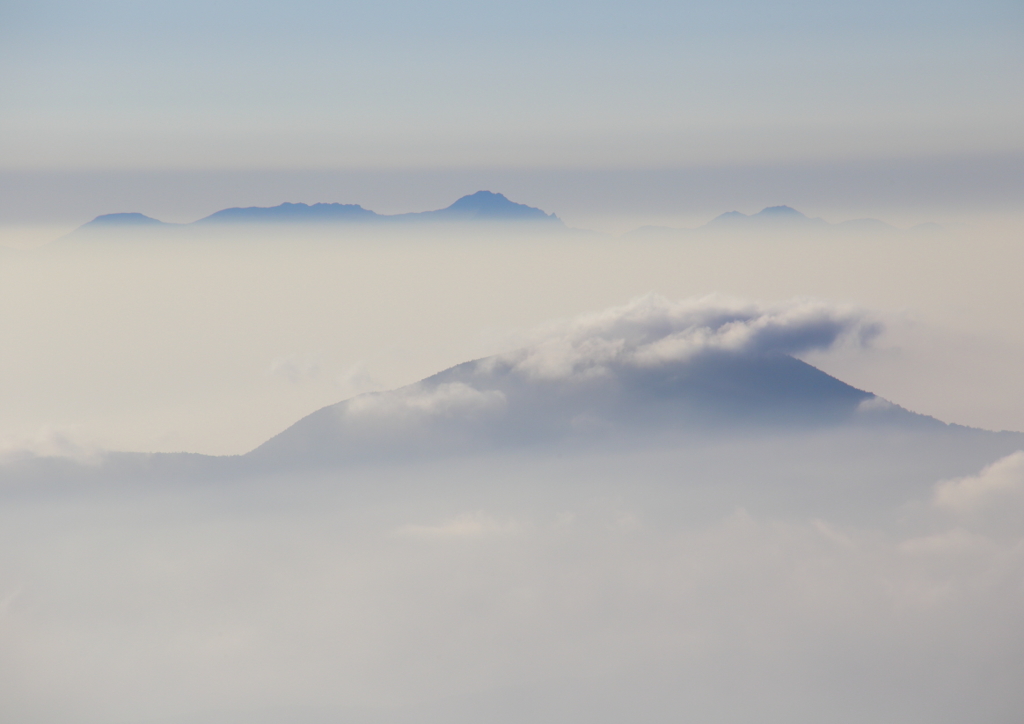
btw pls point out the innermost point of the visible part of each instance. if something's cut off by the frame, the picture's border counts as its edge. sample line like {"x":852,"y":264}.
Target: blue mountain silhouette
{"x":772,"y":218}
{"x":484,"y":206}
{"x":129,"y":219}
{"x":771,"y":214}
{"x":481,"y":207}
{"x":291,"y":213}
{"x":490,"y":403}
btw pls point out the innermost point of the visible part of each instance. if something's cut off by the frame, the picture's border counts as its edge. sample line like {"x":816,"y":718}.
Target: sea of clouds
{"x":721,"y":585}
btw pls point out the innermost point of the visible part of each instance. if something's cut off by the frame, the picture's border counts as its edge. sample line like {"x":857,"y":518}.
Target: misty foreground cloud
{"x":721,"y":582}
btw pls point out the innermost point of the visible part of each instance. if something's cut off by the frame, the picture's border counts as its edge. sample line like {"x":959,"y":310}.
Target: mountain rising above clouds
{"x":710,"y":366}
{"x":782,"y":220}
{"x":122,"y":220}
{"x":769,"y":215}
{"x":480,"y":207}
{"x":505,"y":402}
{"x":288,"y":213}
{"x":483,"y":206}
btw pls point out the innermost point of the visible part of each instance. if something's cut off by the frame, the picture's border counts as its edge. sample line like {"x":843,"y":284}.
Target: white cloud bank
{"x":50,"y":442}
{"x":999,"y":484}
{"x":991,"y":502}
{"x":449,"y":399}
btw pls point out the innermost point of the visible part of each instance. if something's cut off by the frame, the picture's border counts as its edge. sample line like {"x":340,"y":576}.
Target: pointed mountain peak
{"x":770,"y":216}
{"x":130,"y":219}
{"x":484,"y":200}
{"x":730,"y":216}
{"x":487,"y":205}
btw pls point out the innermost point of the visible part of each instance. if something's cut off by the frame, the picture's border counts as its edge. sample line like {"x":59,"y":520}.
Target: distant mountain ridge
{"x":290,"y":213}
{"x":770,"y":214}
{"x":480,"y":207}
{"x":129,"y":219}
{"x":783,"y":219}
{"x":491,"y":207}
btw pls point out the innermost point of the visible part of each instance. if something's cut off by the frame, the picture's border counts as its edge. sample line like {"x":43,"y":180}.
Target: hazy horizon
{"x":611,"y":117}
{"x":39,"y":205}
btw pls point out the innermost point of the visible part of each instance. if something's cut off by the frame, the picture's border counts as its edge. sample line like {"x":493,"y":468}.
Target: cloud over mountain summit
{"x":653,"y":331}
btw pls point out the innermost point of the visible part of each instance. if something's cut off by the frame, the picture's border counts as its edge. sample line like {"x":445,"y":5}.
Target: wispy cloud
{"x":997,"y":485}
{"x":445,"y":400}
{"x":294,"y":368}
{"x":50,"y":442}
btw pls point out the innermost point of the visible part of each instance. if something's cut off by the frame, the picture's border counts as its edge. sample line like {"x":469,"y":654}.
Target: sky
{"x":127,"y":102}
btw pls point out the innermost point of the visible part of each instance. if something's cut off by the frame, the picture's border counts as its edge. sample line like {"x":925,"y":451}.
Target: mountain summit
{"x":487,"y":206}
{"x":770,"y":215}
{"x":133,"y":219}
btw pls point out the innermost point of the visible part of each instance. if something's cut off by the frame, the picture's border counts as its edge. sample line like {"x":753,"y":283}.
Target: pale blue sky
{"x":530,"y":85}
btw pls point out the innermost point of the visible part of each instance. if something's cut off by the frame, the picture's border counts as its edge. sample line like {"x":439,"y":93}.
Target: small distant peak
{"x":729,"y":216}
{"x":483,"y":199}
{"x":769,"y":217}
{"x":112,"y":226}
{"x":484,"y":205}
{"x":129,"y":219}
{"x":780,"y":211}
